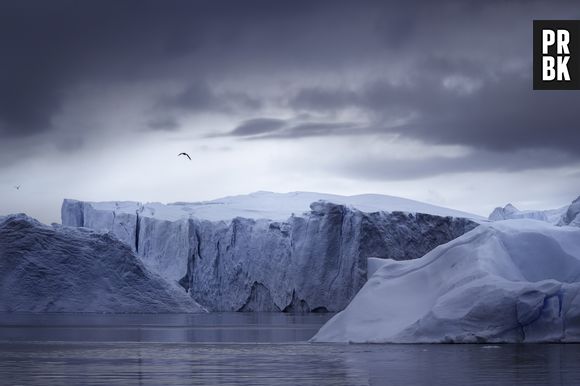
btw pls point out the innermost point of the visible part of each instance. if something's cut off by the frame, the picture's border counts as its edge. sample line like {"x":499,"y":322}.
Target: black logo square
{"x":556,"y":54}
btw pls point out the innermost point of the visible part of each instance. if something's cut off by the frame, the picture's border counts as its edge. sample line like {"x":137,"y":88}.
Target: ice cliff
{"x":61,"y":269}
{"x":282,"y":255}
{"x":508,"y":281}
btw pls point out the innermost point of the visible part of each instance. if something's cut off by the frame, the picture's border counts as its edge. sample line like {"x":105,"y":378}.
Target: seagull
{"x":185,"y":154}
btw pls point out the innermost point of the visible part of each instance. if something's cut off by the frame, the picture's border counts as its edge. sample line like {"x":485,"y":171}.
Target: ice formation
{"x":507,"y":281}
{"x":572,"y":215}
{"x":62,"y":269}
{"x":567,"y":215}
{"x":283,"y":255}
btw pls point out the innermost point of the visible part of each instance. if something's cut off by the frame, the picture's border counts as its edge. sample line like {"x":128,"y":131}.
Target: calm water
{"x":251,"y":349}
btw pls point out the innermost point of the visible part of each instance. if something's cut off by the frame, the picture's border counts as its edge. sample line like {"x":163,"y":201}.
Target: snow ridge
{"x":267,"y":205}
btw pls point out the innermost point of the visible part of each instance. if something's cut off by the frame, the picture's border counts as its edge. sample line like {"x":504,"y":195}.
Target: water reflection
{"x":200,"y":328}
{"x":270,"y":350}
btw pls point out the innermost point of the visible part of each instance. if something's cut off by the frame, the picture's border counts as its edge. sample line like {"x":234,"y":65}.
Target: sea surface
{"x":251,"y":349}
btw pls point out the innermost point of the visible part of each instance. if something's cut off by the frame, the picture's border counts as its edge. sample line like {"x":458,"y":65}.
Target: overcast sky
{"x":426,"y":100}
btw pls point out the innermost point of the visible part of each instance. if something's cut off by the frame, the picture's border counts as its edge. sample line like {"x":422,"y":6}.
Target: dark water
{"x":251,"y":349}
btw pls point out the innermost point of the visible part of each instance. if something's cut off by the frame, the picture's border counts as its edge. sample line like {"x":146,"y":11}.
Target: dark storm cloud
{"x":495,"y":113}
{"x":199,"y":97}
{"x":258,"y":126}
{"x":461,"y":68}
{"x":196,"y":97}
{"x":47,"y":47}
{"x":270,"y":128}
{"x":163,"y":124}
{"x":317,"y":129}
{"x":370,"y":167}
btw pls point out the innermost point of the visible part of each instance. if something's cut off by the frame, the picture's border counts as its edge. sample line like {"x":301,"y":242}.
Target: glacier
{"x":62,"y":269}
{"x":506,"y":281}
{"x":566,"y":215}
{"x":264,"y":251}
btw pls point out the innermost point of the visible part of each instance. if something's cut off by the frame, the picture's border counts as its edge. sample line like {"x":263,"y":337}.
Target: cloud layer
{"x":80,"y":77}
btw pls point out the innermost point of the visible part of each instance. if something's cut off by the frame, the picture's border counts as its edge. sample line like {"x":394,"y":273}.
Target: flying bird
{"x":17,"y":187}
{"x":185,"y":154}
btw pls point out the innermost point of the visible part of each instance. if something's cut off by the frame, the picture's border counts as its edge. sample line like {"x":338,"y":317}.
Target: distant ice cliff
{"x":567,"y":215}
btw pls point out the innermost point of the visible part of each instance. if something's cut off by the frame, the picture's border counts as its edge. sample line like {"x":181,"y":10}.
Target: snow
{"x":507,"y":281}
{"x":510,"y":212}
{"x":374,"y":264}
{"x":62,"y":269}
{"x":313,"y":261}
{"x":566,"y":215}
{"x":273,"y":206}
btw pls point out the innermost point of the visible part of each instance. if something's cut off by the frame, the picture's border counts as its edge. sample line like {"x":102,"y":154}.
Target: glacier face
{"x":315,"y":261}
{"x":509,"y":281}
{"x":62,"y":269}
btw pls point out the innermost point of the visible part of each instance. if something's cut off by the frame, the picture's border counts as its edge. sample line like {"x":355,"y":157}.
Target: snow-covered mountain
{"x":566,"y":215}
{"x":507,"y":281}
{"x":283,"y":254}
{"x":61,"y":269}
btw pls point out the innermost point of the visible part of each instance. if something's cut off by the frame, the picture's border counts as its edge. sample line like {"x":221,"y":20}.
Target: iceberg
{"x":373,"y":265}
{"x":567,"y":215}
{"x":269,"y":251}
{"x":507,"y":281}
{"x":61,"y":269}
{"x":572,"y":215}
